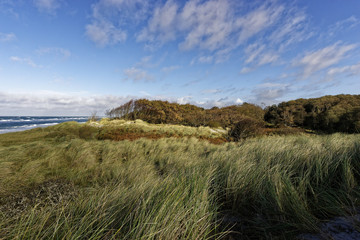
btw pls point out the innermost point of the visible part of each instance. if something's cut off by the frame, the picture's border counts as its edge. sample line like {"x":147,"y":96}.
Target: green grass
{"x":64,"y":183}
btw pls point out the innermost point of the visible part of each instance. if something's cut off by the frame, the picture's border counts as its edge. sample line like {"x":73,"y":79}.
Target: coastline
{"x":10,"y":124}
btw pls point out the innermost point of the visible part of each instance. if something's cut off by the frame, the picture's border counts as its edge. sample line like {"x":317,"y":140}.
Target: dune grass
{"x":67,"y":184}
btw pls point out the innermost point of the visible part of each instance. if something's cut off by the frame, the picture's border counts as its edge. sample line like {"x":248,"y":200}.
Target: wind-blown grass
{"x":172,"y":188}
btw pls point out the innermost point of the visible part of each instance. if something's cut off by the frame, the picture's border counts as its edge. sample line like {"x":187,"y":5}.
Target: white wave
{"x":33,"y":122}
{"x":16,"y":120}
{"x":24,"y":126}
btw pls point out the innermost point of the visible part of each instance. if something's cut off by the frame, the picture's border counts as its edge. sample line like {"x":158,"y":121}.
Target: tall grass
{"x":175,"y":188}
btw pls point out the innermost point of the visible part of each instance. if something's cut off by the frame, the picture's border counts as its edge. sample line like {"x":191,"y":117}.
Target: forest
{"x":185,"y":114}
{"x":328,"y":114}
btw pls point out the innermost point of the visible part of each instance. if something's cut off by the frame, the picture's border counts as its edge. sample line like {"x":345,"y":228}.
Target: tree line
{"x":186,"y":114}
{"x":340,"y":113}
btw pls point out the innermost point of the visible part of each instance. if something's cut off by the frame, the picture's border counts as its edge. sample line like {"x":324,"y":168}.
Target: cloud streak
{"x":48,"y":6}
{"x":340,"y":26}
{"x":348,"y":70}
{"x":27,"y":61}
{"x":110,"y":18}
{"x":318,"y":60}
{"x":7,"y":37}
{"x":137,"y":75}
{"x":170,"y":68}
{"x":269,"y":93}
{"x":64,"y":53}
{"x":105,"y":33}
{"x":216,"y":26}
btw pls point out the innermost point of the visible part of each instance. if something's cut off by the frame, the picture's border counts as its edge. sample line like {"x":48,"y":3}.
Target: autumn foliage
{"x":186,"y":114}
{"x":328,"y":114}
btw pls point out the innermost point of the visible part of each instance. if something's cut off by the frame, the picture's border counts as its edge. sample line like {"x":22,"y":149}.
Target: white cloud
{"x":200,"y":24}
{"x":269,"y":93}
{"x":7,"y":8}
{"x":253,"y":51}
{"x":54,"y":50}
{"x":222,"y":102}
{"x":339,"y":26}
{"x":258,"y":55}
{"x":211,"y":91}
{"x":27,"y":61}
{"x":321,"y":59}
{"x":170,"y":68}
{"x":149,"y":62}
{"x":205,"y":59}
{"x":56,"y":103}
{"x":214,"y":25}
{"x":239,"y":101}
{"x":294,"y":28}
{"x":7,"y":37}
{"x":217,"y":27}
{"x":258,"y":20}
{"x":286,"y":25}
{"x":105,"y":33}
{"x":246,"y":70}
{"x":137,"y":74}
{"x":205,"y":103}
{"x":110,"y":17}
{"x":267,"y":58}
{"x":48,"y":6}
{"x":207,"y":25}
{"x":161,"y":26}
{"x":349,"y":70}
{"x":218,"y":57}
{"x":184,"y":100}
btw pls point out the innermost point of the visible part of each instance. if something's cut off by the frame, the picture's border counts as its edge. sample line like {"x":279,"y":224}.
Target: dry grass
{"x":172,"y":188}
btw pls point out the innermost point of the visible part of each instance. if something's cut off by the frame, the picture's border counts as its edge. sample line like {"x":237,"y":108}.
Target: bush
{"x":246,"y":127}
{"x":214,"y":124}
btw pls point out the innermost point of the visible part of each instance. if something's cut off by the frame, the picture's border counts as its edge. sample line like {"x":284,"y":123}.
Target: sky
{"x":75,"y":57}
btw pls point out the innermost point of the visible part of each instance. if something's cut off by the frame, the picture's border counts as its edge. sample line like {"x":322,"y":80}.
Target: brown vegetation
{"x":186,"y":114}
{"x":329,"y":114}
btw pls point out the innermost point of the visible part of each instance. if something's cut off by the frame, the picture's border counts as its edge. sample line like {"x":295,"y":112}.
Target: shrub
{"x":246,"y":127}
{"x":214,"y":124}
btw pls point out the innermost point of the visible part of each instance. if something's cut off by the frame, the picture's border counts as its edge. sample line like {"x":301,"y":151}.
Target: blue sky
{"x":62,"y":57}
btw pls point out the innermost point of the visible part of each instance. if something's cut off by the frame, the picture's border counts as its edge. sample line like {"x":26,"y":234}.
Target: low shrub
{"x":246,"y":127}
{"x":214,"y":124}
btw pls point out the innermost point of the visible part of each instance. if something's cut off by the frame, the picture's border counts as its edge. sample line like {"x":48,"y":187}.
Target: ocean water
{"x":15,"y":124}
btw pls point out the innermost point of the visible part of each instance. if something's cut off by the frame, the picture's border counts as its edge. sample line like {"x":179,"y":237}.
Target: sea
{"x":21,"y":123}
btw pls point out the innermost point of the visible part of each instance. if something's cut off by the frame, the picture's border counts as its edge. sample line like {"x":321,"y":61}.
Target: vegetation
{"x":246,"y":127}
{"x":187,"y":114}
{"x":329,"y":114}
{"x":64,"y":182}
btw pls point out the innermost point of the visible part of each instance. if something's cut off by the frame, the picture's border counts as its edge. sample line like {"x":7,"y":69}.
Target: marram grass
{"x":66,"y":184}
